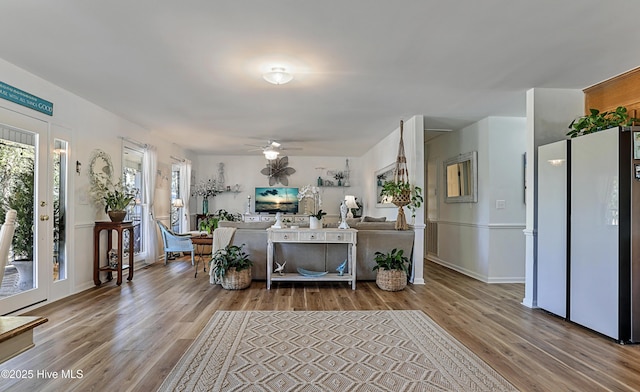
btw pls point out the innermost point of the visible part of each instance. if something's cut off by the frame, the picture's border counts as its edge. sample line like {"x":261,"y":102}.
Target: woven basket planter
{"x":391,"y":280}
{"x":234,"y":280}
{"x":402,"y":199}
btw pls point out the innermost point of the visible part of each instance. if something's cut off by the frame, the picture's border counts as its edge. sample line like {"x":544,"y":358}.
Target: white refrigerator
{"x":552,"y":227}
{"x":604,"y":263}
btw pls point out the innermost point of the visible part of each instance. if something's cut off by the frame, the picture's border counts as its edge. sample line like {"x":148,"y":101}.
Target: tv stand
{"x":292,"y":218}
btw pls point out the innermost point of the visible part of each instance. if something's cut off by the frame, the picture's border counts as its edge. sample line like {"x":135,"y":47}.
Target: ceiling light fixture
{"x":270,"y":153}
{"x":278,"y":75}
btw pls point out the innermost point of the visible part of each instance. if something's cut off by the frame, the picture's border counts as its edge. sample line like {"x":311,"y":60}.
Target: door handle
{"x":44,"y":217}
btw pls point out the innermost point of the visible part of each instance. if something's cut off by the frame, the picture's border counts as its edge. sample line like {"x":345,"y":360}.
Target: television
{"x":276,"y":199}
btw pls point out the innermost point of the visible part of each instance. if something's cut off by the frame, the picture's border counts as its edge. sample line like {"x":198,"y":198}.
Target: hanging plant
{"x":400,"y":191}
{"x":278,"y":170}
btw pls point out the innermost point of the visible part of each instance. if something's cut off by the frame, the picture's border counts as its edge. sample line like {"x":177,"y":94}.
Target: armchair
{"x":174,"y":242}
{"x":6,"y":237}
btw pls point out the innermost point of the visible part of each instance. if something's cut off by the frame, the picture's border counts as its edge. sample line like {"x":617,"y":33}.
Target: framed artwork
{"x":636,"y":145}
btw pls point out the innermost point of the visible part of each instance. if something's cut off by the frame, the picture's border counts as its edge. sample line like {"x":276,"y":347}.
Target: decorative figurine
{"x":342,"y":267}
{"x":278,"y":224}
{"x":280,"y":268}
{"x":247,"y":211}
{"x":343,"y":216}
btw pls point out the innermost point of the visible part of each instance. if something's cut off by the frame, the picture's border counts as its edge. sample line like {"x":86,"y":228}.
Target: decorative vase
{"x":205,"y":206}
{"x":117,"y":215}
{"x":339,"y":182}
{"x":319,"y":181}
{"x":315,"y":223}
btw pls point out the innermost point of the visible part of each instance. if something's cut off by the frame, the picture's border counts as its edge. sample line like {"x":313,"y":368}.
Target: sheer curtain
{"x":150,"y":163}
{"x":185,"y":193}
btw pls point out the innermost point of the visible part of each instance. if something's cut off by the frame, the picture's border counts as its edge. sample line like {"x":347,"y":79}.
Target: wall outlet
{"x":500,"y":204}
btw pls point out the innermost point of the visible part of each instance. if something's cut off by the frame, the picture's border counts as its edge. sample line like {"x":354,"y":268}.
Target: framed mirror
{"x":461,"y":178}
{"x":100,"y":168}
{"x":383,"y":175}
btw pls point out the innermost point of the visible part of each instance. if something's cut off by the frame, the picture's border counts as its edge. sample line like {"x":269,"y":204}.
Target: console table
{"x":312,"y":236}
{"x":118,"y":227}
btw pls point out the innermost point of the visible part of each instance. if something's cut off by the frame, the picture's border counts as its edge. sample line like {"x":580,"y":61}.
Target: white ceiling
{"x":191,"y":70}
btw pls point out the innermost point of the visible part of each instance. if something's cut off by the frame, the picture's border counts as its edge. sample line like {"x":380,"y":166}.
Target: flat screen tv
{"x":276,"y":199}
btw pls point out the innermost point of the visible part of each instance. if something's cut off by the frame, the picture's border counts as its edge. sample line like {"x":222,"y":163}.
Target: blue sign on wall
{"x":23,"y":98}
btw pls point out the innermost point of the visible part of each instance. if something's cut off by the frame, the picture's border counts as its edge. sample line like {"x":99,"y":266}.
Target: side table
{"x":200,"y":241}
{"x":119,"y":228}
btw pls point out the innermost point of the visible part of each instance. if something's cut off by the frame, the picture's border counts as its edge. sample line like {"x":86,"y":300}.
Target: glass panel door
{"x":23,"y":167}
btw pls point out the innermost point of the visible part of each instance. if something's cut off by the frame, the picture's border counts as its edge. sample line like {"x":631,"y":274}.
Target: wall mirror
{"x":383,"y":175}
{"x":461,"y":178}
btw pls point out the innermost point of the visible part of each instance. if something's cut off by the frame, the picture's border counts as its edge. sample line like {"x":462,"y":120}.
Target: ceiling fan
{"x":272,"y":149}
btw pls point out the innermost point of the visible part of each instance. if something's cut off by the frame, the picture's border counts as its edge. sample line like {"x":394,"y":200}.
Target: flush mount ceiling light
{"x":270,"y":153}
{"x":278,"y":75}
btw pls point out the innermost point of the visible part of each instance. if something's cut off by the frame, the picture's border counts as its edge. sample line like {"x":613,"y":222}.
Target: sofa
{"x":372,"y":237}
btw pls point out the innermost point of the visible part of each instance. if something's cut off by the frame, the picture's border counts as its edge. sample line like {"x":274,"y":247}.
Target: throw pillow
{"x":372,"y":219}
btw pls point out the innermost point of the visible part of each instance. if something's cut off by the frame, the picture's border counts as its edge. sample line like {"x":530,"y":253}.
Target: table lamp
{"x":350,"y":201}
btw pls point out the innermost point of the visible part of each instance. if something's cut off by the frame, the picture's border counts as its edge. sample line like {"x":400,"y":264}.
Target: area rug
{"x":329,"y":351}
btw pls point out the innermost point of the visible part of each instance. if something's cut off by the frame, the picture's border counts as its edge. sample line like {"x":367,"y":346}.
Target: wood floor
{"x":128,"y":338}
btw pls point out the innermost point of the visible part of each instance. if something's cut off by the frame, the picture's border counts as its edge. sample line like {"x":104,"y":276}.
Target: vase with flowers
{"x":311,"y":194}
{"x":206,"y":189}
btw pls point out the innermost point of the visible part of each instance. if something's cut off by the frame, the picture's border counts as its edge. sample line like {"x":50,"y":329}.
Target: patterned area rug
{"x":329,"y":351}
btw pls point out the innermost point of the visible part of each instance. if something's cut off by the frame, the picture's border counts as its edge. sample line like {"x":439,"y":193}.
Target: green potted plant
{"x":210,"y":222}
{"x":315,"y":220}
{"x":231,"y":267}
{"x":116,"y":200}
{"x":392,"y":270}
{"x":598,"y":121}
{"x":402,"y":194}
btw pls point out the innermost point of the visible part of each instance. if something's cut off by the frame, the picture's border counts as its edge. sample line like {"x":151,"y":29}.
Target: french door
{"x":29,"y":271}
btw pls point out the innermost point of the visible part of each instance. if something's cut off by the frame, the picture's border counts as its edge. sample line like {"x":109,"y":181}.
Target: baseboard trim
{"x":474,"y":274}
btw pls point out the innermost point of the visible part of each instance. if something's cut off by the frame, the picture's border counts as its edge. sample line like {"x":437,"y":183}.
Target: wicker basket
{"x":391,"y":280}
{"x":403,"y":199}
{"x":234,"y":280}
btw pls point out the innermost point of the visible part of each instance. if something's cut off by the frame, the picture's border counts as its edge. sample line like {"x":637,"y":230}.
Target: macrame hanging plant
{"x":401,"y":178}
{"x":401,"y":193}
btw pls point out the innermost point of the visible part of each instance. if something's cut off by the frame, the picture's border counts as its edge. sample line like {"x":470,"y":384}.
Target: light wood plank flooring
{"x":128,"y":338}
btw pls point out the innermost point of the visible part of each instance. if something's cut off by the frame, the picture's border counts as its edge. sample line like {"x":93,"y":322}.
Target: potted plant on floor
{"x":231,"y":267}
{"x":392,"y":270}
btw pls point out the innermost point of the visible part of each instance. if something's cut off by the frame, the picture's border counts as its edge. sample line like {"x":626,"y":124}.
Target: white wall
{"x":245,"y":171}
{"x":479,"y":239}
{"x":91,"y":127}
{"x":383,"y":154}
{"x":549,"y":112}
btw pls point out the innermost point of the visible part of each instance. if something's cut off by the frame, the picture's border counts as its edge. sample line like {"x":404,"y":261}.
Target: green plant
{"x":597,"y":121}
{"x":318,"y":215}
{"x":210,"y":222}
{"x":21,"y":200}
{"x":117,"y":197}
{"x":224,"y":215}
{"x":391,"y":189}
{"x":394,"y":260}
{"x":231,"y":256}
